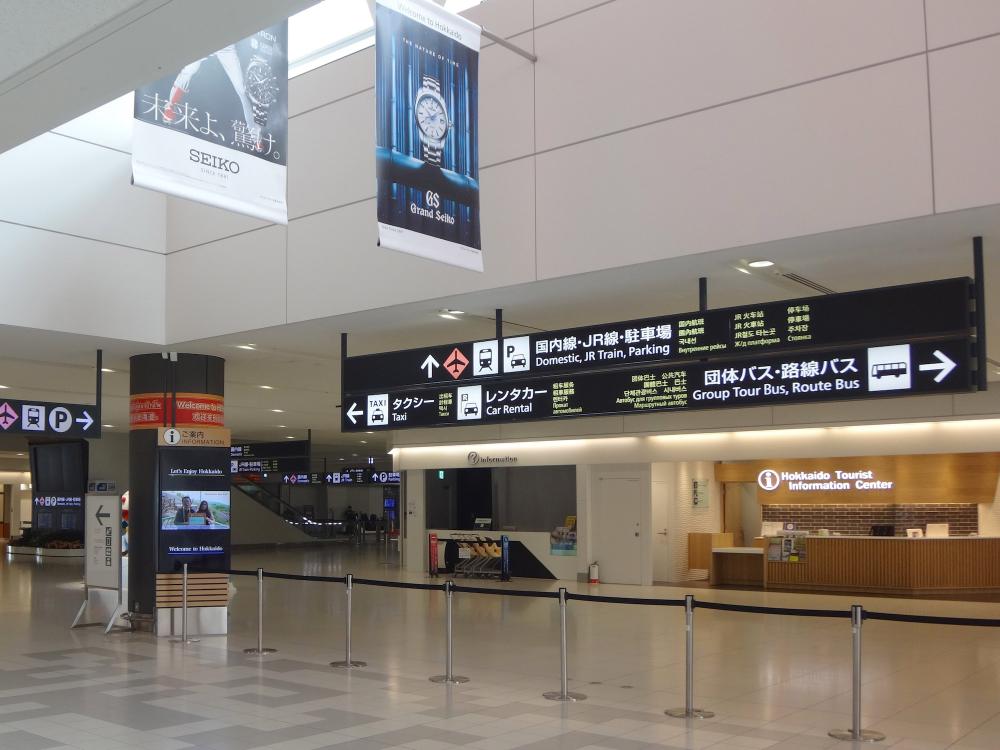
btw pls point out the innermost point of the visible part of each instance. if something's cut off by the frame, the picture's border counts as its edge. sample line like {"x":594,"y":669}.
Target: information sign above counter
{"x":934,"y":309}
{"x":849,"y":372}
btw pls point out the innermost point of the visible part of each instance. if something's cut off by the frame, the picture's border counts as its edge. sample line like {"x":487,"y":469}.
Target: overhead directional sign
{"x":346,"y":476}
{"x":837,"y":373}
{"x":933,"y":309}
{"x":46,"y":418}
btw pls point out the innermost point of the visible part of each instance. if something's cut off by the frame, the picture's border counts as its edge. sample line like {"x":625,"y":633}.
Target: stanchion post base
{"x":348,"y":664}
{"x":259,"y":651}
{"x":185,"y":642}
{"x":865,"y":735}
{"x":694,"y":713}
{"x":570,"y":697}
{"x":443,"y":679}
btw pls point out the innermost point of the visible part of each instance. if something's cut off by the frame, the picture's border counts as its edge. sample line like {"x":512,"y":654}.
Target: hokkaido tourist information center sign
{"x":904,"y":340}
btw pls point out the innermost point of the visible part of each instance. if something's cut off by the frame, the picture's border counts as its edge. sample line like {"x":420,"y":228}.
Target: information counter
{"x":890,"y":565}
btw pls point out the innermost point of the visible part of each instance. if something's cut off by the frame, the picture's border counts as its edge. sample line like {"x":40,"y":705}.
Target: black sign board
{"x":269,"y":465}
{"x":194,"y":508}
{"x":284,"y":449}
{"x":346,"y":476}
{"x":45,"y":418}
{"x":58,"y":484}
{"x":934,"y":309}
{"x":838,"y":373}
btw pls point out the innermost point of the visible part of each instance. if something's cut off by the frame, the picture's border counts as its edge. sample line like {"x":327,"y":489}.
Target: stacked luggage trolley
{"x":478,"y":556}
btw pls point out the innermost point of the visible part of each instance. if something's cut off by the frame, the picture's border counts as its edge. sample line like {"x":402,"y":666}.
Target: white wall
{"x":82,"y":247}
{"x":720,"y":124}
{"x":109,"y":459}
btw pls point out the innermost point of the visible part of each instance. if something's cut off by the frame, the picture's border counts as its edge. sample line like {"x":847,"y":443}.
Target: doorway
{"x":617,"y":529}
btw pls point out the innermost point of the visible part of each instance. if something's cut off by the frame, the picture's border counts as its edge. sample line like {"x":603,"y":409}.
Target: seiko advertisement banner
{"x":217,"y":131}
{"x":427,"y":132}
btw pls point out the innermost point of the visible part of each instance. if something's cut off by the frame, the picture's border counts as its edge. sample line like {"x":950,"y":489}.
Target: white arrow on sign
{"x":429,"y":364}
{"x":354,"y":412}
{"x":944,"y":366}
{"x":86,"y":420}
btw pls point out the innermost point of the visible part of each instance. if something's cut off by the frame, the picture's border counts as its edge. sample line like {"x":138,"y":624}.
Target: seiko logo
{"x":475,"y":459}
{"x":216,"y":162}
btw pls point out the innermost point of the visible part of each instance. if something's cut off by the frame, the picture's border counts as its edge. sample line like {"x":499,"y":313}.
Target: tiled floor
{"x":774,"y":682}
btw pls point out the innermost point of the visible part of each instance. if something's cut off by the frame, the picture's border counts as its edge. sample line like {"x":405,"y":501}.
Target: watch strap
{"x":430,"y":154}
{"x":432,"y":83}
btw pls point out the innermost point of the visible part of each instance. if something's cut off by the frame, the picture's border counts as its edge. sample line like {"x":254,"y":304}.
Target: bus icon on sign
{"x":889,"y":370}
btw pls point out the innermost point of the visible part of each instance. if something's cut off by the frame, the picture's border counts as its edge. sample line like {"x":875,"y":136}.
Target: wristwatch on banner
{"x":262,"y":84}
{"x":432,"y":120}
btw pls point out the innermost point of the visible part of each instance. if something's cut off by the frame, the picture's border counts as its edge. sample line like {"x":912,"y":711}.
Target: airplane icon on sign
{"x":456,"y":363}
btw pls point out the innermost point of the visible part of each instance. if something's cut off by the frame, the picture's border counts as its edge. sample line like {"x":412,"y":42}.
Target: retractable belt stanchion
{"x":184,"y":610}
{"x":856,"y":733}
{"x":449,"y":677}
{"x":689,"y":711}
{"x":260,"y":650}
{"x":348,"y":663}
{"x":564,"y":694}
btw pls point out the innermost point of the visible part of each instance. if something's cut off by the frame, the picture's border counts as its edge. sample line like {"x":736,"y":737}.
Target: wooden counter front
{"x":890,"y":565}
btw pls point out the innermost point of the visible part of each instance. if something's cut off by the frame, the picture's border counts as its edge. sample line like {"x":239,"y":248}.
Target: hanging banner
{"x":427,"y":132}
{"x":217,"y":131}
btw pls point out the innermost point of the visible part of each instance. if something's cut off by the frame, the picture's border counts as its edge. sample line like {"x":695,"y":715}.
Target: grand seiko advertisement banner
{"x":217,"y":131}
{"x":427,"y":132}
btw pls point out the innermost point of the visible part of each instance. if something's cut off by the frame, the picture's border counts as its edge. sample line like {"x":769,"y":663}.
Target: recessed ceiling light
{"x":106,"y":369}
{"x":741,"y":269}
{"x":341,"y":459}
{"x":4,"y":387}
{"x":760,"y":263}
{"x":355,"y":455}
{"x":278,"y":411}
{"x":282,"y":426}
{"x":289,"y":437}
{"x":107,"y":425}
{"x":20,"y":454}
{"x":266,"y":387}
{"x":369,"y":432}
{"x":247,"y":347}
{"x":364,"y":441}
{"x":448,"y":316}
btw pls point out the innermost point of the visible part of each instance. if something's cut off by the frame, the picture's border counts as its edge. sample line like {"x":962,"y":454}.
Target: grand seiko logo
{"x":216,"y":162}
{"x":476,"y":458}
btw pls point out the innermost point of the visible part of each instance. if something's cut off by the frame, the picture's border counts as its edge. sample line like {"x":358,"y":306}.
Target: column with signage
{"x":179,"y":472}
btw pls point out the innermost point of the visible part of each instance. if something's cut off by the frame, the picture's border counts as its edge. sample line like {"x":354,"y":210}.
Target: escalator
{"x":269,"y":500}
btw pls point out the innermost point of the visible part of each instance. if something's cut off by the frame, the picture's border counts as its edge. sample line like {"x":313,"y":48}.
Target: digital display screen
{"x":194,"y":510}
{"x":195,"y":515}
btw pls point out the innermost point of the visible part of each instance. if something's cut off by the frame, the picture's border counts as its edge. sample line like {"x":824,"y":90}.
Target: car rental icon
{"x":471,"y":409}
{"x":518,"y":360}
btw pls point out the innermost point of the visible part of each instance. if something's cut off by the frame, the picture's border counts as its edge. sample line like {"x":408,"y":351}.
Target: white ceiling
{"x":301,"y":361}
{"x":62,"y":58}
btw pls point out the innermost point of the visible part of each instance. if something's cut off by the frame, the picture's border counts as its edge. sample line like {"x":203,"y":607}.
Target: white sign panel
{"x":103,"y":523}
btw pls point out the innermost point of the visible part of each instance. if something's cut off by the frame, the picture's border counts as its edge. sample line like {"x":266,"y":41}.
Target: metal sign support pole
{"x":184,"y":611}
{"x":856,"y":733}
{"x":512,"y":47}
{"x":979,"y":278}
{"x":564,"y":694}
{"x":348,"y":663}
{"x":689,"y":711}
{"x":260,"y":650}
{"x":449,"y":677}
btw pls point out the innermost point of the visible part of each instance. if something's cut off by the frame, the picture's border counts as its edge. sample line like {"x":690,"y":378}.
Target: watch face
{"x":431,"y":117}
{"x":261,"y":86}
